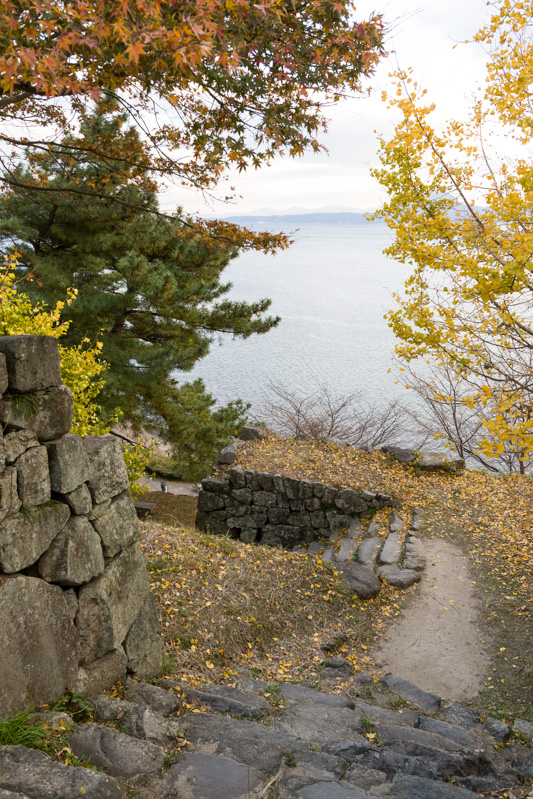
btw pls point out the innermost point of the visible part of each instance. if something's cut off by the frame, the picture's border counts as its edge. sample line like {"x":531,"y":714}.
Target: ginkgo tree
{"x":461,"y":206}
{"x":211,"y":84}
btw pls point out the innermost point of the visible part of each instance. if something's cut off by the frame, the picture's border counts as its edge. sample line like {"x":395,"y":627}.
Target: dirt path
{"x":172,"y":486}
{"x":437,"y":643}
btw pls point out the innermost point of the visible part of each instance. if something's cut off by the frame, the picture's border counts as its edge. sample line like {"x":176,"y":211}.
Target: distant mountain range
{"x":311,"y":217}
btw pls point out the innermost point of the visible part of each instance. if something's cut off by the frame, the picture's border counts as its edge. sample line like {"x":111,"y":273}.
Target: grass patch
{"x":23,"y":729}
{"x":226,"y":605}
{"x":171,"y":509}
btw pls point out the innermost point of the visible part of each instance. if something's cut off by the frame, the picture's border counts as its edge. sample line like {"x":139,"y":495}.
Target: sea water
{"x":331,"y":288}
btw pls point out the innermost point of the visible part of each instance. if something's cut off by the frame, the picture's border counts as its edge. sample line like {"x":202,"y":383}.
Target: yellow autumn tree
{"x":461,"y":206}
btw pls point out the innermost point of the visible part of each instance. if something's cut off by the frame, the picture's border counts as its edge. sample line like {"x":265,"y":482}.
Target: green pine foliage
{"x":148,"y":287}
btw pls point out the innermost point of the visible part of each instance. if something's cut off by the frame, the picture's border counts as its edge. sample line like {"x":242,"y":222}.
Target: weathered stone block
{"x":208,"y":502}
{"x":216,"y":486}
{"x":313,"y":503}
{"x":292,"y":487}
{"x":17,"y":442}
{"x":280,"y":535}
{"x":68,"y":463}
{"x":109,"y":605}
{"x":279,"y":485}
{"x":118,"y":526}
{"x":24,"y":538}
{"x":256,"y":519}
{"x":278,"y":515}
{"x":350,"y":501}
{"x":338,"y":521}
{"x":142,"y":645}
{"x":29,"y":774}
{"x":228,"y":455}
{"x":74,"y":556}
{"x":266,"y":481}
{"x":250,"y":432}
{"x":328,"y":495}
{"x":32,"y":362}
{"x":120,"y":754}
{"x":243,"y":495}
{"x":38,"y":642}
{"x":210,"y":522}
{"x":252,"y":481}
{"x":264,"y":499}
{"x":248,"y":536}
{"x":4,"y":379}
{"x":101,"y":674}
{"x":51,"y":419}
{"x":318,"y":518}
{"x":79,"y":500}
{"x":109,"y":476}
{"x":33,"y":477}
{"x":300,"y":518}
{"x":237,"y":478}
{"x":9,"y":498}
{"x":2,"y":453}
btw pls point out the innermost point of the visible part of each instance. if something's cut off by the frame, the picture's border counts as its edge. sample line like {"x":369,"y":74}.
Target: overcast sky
{"x":426,"y":35}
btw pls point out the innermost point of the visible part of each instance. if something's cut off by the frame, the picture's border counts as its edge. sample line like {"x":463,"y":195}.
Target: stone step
{"x":347,"y":550}
{"x":430,"y":703}
{"x":391,"y":551}
{"x":368,"y":550}
{"x":119,"y":754}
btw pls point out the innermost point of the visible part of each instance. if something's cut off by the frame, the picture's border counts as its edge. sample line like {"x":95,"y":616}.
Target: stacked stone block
{"x":275,"y":510}
{"x":76,"y":611}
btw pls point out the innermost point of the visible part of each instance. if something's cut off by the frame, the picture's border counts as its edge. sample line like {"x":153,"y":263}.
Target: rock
{"x":119,"y":754}
{"x":461,"y":716}
{"x":338,"y":666}
{"x":430,"y":703}
{"x":109,"y":476}
{"x":314,"y":548}
{"x":17,"y":442}
{"x":347,"y":549}
{"x":435,"y":461}
{"x":143,"y":646}
{"x":159,"y":700}
{"x":68,"y":462}
{"x":71,"y":599}
{"x":414,"y":563}
{"x":118,"y":526}
{"x":497,"y":729}
{"x":349,"y":749}
{"x":399,"y":578}
{"x":391,"y":734}
{"x":523,"y":727}
{"x":317,"y":723}
{"x":329,"y":555}
{"x":204,"y":776}
{"x":384,"y":715}
{"x":101,"y":674}
{"x":208,"y":502}
{"x":54,"y":720}
{"x":368,"y":550}
{"x":245,"y":741}
{"x":331,"y":790}
{"x":360,"y":579}
{"x":228,"y":455}
{"x":137,"y":720}
{"x":265,"y":499}
{"x":216,"y":486}
{"x":31,"y":774}
{"x":350,"y":501}
{"x":33,"y":477}
{"x":391,"y":551}
{"x":109,"y":605}
{"x":396,"y":523}
{"x":249,"y":432}
{"x":400,"y":454}
{"x":32,"y":362}
{"x":79,"y":500}
{"x":243,"y":495}
{"x":75,"y":555}
{"x":9,"y":498}
{"x":50,"y":418}
{"x":446,"y":730}
{"x":224,"y":699}
{"x":526,"y":769}
{"x":25,"y":536}
{"x":411,"y":787}
{"x":280,"y":534}
{"x":365,"y":778}
{"x":4,"y":378}
{"x":38,"y":642}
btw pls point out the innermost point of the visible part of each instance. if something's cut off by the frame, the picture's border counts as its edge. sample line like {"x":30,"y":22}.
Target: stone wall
{"x":275,"y":510}
{"x":76,"y":611}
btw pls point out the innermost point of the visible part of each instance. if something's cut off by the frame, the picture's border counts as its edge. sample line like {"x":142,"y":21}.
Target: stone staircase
{"x":278,"y":741}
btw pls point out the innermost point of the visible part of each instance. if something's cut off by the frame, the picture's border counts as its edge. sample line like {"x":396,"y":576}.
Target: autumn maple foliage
{"x":211,"y":84}
{"x":461,"y":206}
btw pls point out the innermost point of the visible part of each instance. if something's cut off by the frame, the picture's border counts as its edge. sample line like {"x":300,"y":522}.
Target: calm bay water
{"x":331,"y":288}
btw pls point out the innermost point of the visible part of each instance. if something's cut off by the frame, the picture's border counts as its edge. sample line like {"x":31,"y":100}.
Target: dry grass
{"x":226,"y":605}
{"x":173,"y":509}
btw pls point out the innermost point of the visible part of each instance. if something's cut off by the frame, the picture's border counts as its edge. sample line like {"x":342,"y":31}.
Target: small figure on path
{"x":164,"y":488}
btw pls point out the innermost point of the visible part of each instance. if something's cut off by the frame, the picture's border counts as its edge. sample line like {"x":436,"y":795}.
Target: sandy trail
{"x":437,"y":644}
